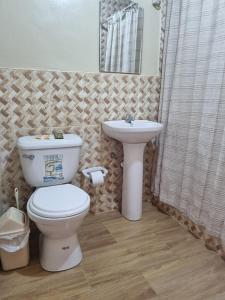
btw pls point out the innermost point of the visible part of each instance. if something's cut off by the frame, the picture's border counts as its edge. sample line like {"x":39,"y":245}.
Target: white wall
{"x":64,"y":35}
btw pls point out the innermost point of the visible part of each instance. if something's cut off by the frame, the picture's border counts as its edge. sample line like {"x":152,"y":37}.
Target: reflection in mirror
{"x":121,"y":36}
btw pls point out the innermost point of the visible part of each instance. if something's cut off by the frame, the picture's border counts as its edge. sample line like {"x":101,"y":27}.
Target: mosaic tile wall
{"x":36,"y":102}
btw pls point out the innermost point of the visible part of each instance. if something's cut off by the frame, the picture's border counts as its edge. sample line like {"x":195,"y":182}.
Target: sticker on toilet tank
{"x":53,"y":167}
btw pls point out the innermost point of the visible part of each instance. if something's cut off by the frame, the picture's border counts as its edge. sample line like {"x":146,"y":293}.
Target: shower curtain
{"x":124,"y":41}
{"x":190,"y":174}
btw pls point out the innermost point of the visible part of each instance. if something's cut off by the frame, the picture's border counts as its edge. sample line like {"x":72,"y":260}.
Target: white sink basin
{"x":134,"y":137}
{"x":139,"y":131}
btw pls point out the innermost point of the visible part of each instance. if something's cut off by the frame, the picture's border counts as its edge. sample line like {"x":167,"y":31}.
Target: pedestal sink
{"x":134,"y":136}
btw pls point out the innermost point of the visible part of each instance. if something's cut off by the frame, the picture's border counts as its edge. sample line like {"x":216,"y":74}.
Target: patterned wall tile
{"x":7,"y":92}
{"x":114,"y":97}
{"x":91,"y":148}
{"x":40,"y":97}
{"x":154,"y":97}
{"x":91,"y":100}
{"x":139,"y":102}
{"x":36,"y":102}
{"x":148,"y":158}
{"x":28,"y":111}
{"x":111,"y":158}
{"x":8,"y":174}
{"x":66,"y":99}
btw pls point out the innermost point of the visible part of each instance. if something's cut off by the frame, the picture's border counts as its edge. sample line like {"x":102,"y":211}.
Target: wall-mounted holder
{"x":96,"y":175}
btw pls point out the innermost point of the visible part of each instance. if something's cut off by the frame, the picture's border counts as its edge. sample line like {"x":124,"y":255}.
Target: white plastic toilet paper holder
{"x":87,"y":172}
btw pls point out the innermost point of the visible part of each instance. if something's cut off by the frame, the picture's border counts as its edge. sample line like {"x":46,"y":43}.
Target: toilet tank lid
{"x":49,"y":142}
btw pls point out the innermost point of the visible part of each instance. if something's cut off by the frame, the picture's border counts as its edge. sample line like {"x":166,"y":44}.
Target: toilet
{"x":56,"y":206}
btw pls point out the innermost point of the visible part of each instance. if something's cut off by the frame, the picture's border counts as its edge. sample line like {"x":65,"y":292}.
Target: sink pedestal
{"x":132,"y":181}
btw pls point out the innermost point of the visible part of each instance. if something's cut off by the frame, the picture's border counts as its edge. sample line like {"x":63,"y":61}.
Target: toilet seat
{"x":59,"y":201}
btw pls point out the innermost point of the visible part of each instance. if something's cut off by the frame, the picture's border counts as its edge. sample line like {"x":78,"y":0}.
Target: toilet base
{"x":59,"y":254}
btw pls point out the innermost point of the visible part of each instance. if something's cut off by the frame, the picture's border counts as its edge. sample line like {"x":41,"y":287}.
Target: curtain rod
{"x":129,"y":6}
{"x":124,"y":9}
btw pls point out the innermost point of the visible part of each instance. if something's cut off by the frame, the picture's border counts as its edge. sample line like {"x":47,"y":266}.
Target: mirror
{"x":121,"y":36}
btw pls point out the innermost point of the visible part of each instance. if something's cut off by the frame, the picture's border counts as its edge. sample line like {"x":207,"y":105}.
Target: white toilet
{"x":57,"y":207}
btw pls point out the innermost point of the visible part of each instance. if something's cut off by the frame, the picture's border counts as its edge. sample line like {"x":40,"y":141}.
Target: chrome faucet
{"x":129,"y":119}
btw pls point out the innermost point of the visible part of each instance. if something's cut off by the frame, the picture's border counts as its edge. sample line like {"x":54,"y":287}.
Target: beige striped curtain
{"x":191,"y":164}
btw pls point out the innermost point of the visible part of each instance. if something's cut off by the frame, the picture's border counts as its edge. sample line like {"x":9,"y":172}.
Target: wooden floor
{"x":150,"y":259}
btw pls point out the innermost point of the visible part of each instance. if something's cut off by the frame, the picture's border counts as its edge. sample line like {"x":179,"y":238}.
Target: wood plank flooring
{"x":153,"y":258}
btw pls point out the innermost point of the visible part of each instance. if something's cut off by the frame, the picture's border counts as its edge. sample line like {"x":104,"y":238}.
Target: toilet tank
{"x":49,"y":161}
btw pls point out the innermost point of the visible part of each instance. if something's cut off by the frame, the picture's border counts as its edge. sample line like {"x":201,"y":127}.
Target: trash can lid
{"x":13,"y":221}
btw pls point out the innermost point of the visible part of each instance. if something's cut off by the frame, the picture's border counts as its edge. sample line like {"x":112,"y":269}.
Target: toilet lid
{"x":59,"y":201}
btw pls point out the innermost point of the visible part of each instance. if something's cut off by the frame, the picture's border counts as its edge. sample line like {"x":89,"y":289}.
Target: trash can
{"x":14,"y":237}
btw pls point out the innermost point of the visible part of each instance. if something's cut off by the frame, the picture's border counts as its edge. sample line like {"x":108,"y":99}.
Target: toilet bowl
{"x":58,"y":212}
